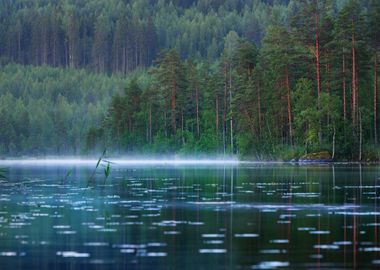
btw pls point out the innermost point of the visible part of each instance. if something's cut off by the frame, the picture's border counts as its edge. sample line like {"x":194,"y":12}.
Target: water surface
{"x":209,"y":216}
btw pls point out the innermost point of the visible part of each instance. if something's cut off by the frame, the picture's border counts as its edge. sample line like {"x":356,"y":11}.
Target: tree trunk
{"x":197,"y":109}
{"x":344,"y":88}
{"x":375,"y":100}
{"x":136,"y":54}
{"x":54,"y":51}
{"x":317,"y":55}
{"x":333,"y":144}
{"x":289,"y":104}
{"x":354,"y":80}
{"x":124,"y":64}
{"x":225,"y":110}
{"x":19,"y":46}
{"x":360,"y":136}
{"x":173,"y":101}
{"x":182,"y":127}
{"x":66,"y":54}
{"x":231,"y":118}
{"x":216,"y":114}
{"x":165,"y":123}
{"x":259,"y":105}
{"x":328,"y":85}
{"x":150,"y":123}
{"x":318,"y":67}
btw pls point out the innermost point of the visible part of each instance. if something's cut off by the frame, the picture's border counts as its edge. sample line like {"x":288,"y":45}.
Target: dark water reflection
{"x":176,"y":217}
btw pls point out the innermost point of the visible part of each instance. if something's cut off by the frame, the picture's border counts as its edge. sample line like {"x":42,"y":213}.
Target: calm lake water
{"x":248,"y":216}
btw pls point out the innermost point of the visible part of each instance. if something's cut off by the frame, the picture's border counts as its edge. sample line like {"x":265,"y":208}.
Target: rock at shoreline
{"x":317,"y":157}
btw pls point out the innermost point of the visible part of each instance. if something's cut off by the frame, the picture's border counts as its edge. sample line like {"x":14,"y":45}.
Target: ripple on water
{"x":319,"y":232}
{"x":213,"y":242}
{"x":343,"y":243}
{"x":96,"y":244}
{"x":279,"y":241}
{"x":246,"y":235}
{"x":371,"y":249}
{"x":273,"y":251}
{"x":271,"y":265}
{"x":72,"y":254}
{"x":331,"y":247}
{"x":172,"y":232}
{"x":127,"y":250}
{"x":212,"y":251}
{"x":156,"y":254}
{"x":212,"y":235}
{"x":8,"y":254}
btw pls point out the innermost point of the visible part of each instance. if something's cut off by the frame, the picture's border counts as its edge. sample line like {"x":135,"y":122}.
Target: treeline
{"x":48,"y":111}
{"x":303,"y":78}
{"x":118,"y":36}
{"x":311,"y":86}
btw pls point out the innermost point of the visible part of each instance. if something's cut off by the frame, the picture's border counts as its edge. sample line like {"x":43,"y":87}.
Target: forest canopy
{"x":260,"y":79}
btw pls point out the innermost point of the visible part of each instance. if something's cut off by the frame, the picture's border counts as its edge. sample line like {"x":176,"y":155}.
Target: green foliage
{"x":50,"y":111}
{"x":121,"y":36}
{"x":233,"y":77}
{"x":306,"y":114}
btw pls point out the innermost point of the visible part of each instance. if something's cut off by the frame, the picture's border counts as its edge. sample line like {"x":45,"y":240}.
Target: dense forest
{"x":260,"y":79}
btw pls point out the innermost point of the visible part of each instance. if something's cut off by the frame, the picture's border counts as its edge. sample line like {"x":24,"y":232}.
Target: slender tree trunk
{"x":124,"y":64}
{"x":328,"y":85}
{"x":360,"y":136}
{"x":333,"y":144}
{"x":225,"y":110}
{"x":216,"y":114}
{"x":289,"y":104}
{"x":165,"y":123}
{"x":19,"y":46}
{"x":54,"y":52}
{"x":259,"y":105}
{"x":318,"y":67}
{"x":147,"y":132}
{"x":173,"y":101}
{"x":317,"y":55}
{"x":182,"y":127}
{"x":354,"y":80}
{"x":136,"y":53}
{"x":231,"y":118}
{"x":150,"y":123}
{"x":197,"y":110}
{"x":66,"y":54}
{"x":344,"y":88}
{"x":375,"y":100}
{"x":116,"y":56}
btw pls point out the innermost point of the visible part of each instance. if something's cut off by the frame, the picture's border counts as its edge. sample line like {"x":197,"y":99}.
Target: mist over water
{"x":64,"y":161}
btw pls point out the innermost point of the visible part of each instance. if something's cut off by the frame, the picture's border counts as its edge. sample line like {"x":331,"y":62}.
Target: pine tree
{"x":277,"y":55}
{"x":170,"y":74}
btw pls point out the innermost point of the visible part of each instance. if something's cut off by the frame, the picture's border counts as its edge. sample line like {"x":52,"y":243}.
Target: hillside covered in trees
{"x":262,"y":79}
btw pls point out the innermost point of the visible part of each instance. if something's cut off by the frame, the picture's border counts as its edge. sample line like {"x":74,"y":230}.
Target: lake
{"x":183,"y":216}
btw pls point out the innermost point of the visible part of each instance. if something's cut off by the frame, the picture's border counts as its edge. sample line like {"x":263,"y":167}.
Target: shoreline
{"x":85,"y":161}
